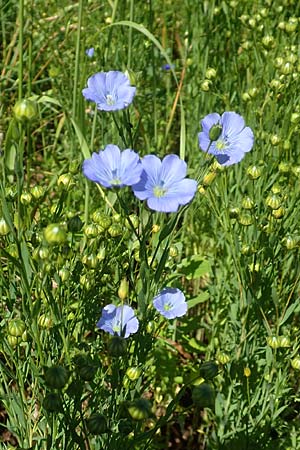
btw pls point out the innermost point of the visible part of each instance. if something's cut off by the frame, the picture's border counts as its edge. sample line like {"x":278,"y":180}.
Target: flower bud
{"x":55,"y":234}
{"x":234,"y":213}
{"x":155,"y":228}
{"x":25,"y":110}
{"x":296,"y":363}
{"x":278,"y":62}
{"x":246,"y":97}
{"x":296,"y":171}
{"x":117,"y":346}
{"x":215,"y":132}
{"x":253,"y":92}
{"x":4,"y":227}
{"x":173,"y":251}
{"x":101,"y":254}
{"x":56,"y":377}
{"x":123,"y":289}
{"x":284,"y":167}
{"x":203,"y":396}
{"x":287,"y":68}
{"x":208,"y":370}
{"x":247,"y":372}
{"x":254,"y":172}
{"x":134,"y":221}
{"x":140,"y":409}
{"x":52,"y":403}
{"x":16,"y":327}
{"x":209,"y":178}
{"x":13,"y":341}
{"x":132,"y":77}
{"x":64,"y":274}
{"x":247,"y":250}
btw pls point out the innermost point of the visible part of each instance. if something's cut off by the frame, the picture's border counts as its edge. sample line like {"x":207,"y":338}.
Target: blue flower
{"x":233,"y":141}
{"x":118,"y":320}
{"x":170,"y":303}
{"x":90,"y":52}
{"x":109,"y":90}
{"x":113,"y":168}
{"x":168,"y":67}
{"x":163,"y":183}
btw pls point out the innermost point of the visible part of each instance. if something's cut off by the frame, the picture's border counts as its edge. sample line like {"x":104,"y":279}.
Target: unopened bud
{"x":254,"y":172}
{"x":123,"y":289}
{"x":4,"y":228}
{"x":25,"y":110}
{"x":55,"y":234}
{"x":203,"y":396}
{"x":215,"y":132}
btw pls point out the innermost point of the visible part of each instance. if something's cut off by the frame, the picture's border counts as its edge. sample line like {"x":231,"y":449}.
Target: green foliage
{"x":226,"y":374}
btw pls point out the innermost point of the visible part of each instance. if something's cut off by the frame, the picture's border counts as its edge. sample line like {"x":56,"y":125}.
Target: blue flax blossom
{"x":113,"y":168}
{"x":118,"y":320}
{"x":231,"y":142}
{"x":110,"y":91}
{"x":90,"y":52}
{"x":170,"y":303}
{"x":163,"y":183}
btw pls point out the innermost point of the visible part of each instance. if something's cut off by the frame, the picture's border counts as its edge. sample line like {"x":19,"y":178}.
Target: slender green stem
{"x":21,"y":38}
{"x":77,"y":58}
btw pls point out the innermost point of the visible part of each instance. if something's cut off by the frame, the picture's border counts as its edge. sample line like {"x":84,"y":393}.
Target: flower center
{"x":115,"y":181}
{"x":110,"y":100}
{"x":117,"y":327}
{"x":160,"y":190}
{"x":168,"y":306}
{"x":221,"y":145}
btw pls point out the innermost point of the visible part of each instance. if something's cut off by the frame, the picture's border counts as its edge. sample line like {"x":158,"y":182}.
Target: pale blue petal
{"x":172,"y":169}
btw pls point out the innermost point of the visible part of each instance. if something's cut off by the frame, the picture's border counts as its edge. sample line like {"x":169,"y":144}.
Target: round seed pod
{"x":92,"y":230}
{"x":55,"y":234}
{"x":52,"y":403}
{"x":125,"y":426}
{"x":101,"y":219}
{"x":210,"y":73}
{"x":278,"y":213}
{"x":222,"y":357}
{"x":245,"y":219}
{"x":56,"y":377}
{"x":117,"y":346}
{"x":291,"y":242}
{"x":140,"y":409}
{"x":37,"y":192}
{"x":208,"y":370}
{"x":273,"y":201}
{"x":74,"y":224}
{"x":4,"y":228}
{"x":284,"y":341}
{"x":247,"y":203}
{"x":296,"y":363}
{"x":26,"y":198}
{"x":97,"y":424}
{"x":16,"y":327}
{"x":25,"y":110}
{"x":133,"y":373}
{"x":273,"y":342}
{"x":203,"y":396}
{"x":45,"y":321}
{"x":254,"y":172}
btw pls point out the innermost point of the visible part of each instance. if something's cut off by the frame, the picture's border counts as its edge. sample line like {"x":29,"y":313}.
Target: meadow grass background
{"x":234,"y":250}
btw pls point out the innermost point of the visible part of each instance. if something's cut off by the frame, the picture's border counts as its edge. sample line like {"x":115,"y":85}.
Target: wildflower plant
{"x":148,"y":292}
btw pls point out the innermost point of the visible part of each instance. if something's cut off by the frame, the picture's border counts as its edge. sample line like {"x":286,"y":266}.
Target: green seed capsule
{"x":117,"y":346}
{"x":203,"y":396}
{"x":222,"y":357}
{"x":254,"y":172}
{"x":92,"y":230}
{"x":101,"y":219}
{"x":16,"y":327}
{"x":115,"y":230}
{"x":75,"y":224}
{"x":125,"y":427}
{"x":13,"y":341}
{"x":245,"y":219}
{"x":284,"y":341}
{"x":55,"y":234}
{"x":133,"y":373}
{"x":291,"y":242}
{"x":210,"y":73}
{"x":273,"y":342}
{"x":26,"y":198}
{"x":279,"y":213}
{"x":296,"y":363}
{"x":97,"y":424}
{"x":56,"y":377}
{"x":215,"y":132}
{"x":205,"y":85}
{"x":65,"y":180}
{"x":90,"y":261}
{"x":4,"y":228}
{"x":52,"y":403}
{"x":209,"y":370}
{"x":140,"y":409}
{"x":45,"y":321}
{"x":37,"y":192}
{"x":25,"y":110}
{"x":123,"y":289}
{"x":273,"y":201}
{"x":247,"y":203}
